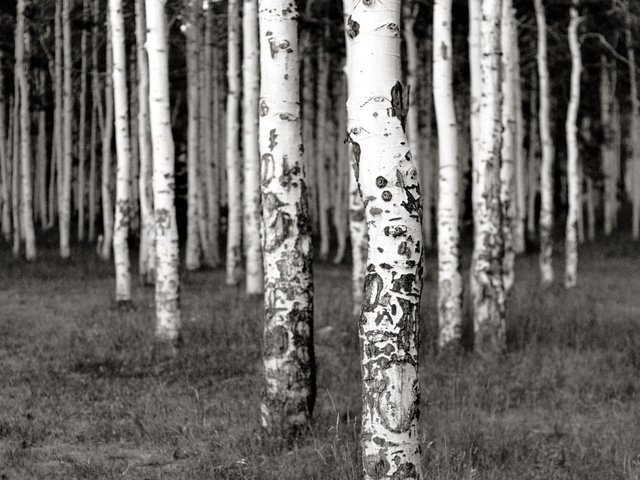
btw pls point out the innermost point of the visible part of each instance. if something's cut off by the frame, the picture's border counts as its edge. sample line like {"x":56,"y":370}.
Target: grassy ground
{"x":81,"y":395}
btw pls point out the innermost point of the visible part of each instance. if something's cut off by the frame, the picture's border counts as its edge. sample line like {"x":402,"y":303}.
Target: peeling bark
{"x":389,"y":185}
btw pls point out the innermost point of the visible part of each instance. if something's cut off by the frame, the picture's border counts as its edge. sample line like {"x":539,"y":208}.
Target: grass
{"x":83,"y":397}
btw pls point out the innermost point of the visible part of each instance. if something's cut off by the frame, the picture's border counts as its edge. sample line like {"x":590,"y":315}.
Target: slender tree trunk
{"x":308,"y":118}
{"x":23,"y":48}
{"x":322,"y":92}
{"x":134,"y":196}
{"x":426,"y":147}
{"x":123,"y":155}
{"x":67,"y":140}
{"x":509,"y":145}
{"x":388,"y":179}
{"x":548,"y":151}
{"x":357,"y":224}
{"x":96,"y":119}
{"x":15,"y":171}
{"x":288,"y":355}
{"x":607,"y":147}
{"x":5,"y":166}
{"x":581,"y":202}
{"x":82,"y":129}
{"x":107,"y":134}
{"x":573,"y":176}
{"x":42,"y":159}
{"x":147,"y":256}
{"x":533,"y":171}
{"x":487,"y":281}
{"x":519,"y":243}
{"x":635,"y":129}
{"x":343,"y":174}
{"x":251,"y":89}
{"x":167,"y":255}
{"x":449,"y":278}
{"x":591,"y":209}
{"x":193,"y":250}
{"x":234,"y":179}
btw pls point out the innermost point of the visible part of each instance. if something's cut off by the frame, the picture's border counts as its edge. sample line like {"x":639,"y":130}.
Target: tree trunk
{"x":107,"y":134}
{"x":591,"y":209}
{"x":573,"y":175}
{"x":58,"y":149}
{"x":427,"y":170}
{"x":607,"y":93}
{"x":96,"y":119}
{"x":342,"y":172}
{"x":388,"y":180}
{"x":251,"y":88}
{"x":487,"y":282}
{"x":520,"y":182}
{"x":234,"y":179}
{"x":42,"y":159}
{"x":308,"y":119}
{"x":147,"y":256}
{"x":509,"y":145}
{"x":167,"y":276}
{"x":23,"y":48}
{"x":82,"y":149}
{"x":289,"y":361}
{"x":357,"y":225}
{"x":193,"y":250}
{"x":322,"y":92}
{"x":67,"y":126}
{"x":5,"y":166}
{"x":634,"y":154}
{"x":123,"y":155}
{"x":533,"y":170}
{"x":134,"y":164}
{"x":548,"y":151}
{"x":449,"y":278}
{"x":15,"y":170}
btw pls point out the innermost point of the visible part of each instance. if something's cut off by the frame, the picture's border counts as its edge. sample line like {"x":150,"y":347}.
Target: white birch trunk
{"x":233,"y":259}
{"x":123,"y":155}
{"x":147,"y":256}
{"x":509,"y":145}
{"x":192,"y":249}
{"x":26,"y":191}
{"x":107,"y":134}
{"x":167,"y":255}
{"x":388,"y":180}
{"x":67,"y":126}
{"x":251,"y":89}
{"x":487,"y":282}
{"x":548,"y":151}
{"x":288,"y":356}
{"x":573,"y":175}
{"x":449,"y":278}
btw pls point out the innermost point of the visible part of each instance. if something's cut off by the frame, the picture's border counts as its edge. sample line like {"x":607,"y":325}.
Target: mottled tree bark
{"x":233,"y":162}
{"x":288,"y":356}
{"x":487,"y":281}
{"x":167,"y":276}
{"x":251,"y":151}
{"x":449,"y":278}
{"x":23,"y":49}
{"x":548,"y":151}
{"x":123,"y":155}
{"x":389,"y":185}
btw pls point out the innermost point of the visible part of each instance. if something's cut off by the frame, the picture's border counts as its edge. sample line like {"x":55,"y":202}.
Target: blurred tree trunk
{"x":41,"y":158}
{"x":487,"y":282}
{"x":388,"y":180}
{"x":520,"y":186}
{"x":147,"y":256}
{"x":634,"y":154}
{"x":449,"y":278}
{"x":548,"y":151}
{"x":82,"y":129}
{"x":289,"y":361}
{"x":251,"y":97}
{"x":123,"y":155}
{"x":58,"y":146}
{"x":509,"y":143}
{"x":573,"y":174}
{"x":426,"y":146}
{"x":320,"y":160}
{"x":15,"y":170}
{"x":107,"y":134}
{"x":4,"y":161}
{"x":591,"y":209}
{"x":342,"y":171}
{"x":97,"y":120}
{"x":533,"y":168}
{"x":607,"y":93}
{"x":357,"y":224}
{"x":233,"y":160}
{"x":193,"y":245}
{"x":167,"y":294}
{"x":134,"y":167}
{"x":308,"y":118}
{"x":67,"y":130}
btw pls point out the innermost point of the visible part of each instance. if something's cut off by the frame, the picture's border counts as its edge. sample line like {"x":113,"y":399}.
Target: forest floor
{"x":82,"y":396}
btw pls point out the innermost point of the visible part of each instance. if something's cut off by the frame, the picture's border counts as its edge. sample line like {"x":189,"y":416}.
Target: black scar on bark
{"x":301,"y":321}
{"x":276,"y":341}
{"x":400,"y":103}
{"x":406,"y":324}
{"x":272,"y":139}
{"x":271,"y":202}
{"x":267,"y":168}
{"x":403,"y":283}
{"x":273,"y":48}
{"x":372,"y":289}
{"x":356,"y":163}
{"x":263,"y":108}
{"x":381,"y":182}
{"x":395,"y":230}
{"x":353,"y":28}
{"x":413,"y":203}
{"x":288,"y":173}
{"x":376,"y":467}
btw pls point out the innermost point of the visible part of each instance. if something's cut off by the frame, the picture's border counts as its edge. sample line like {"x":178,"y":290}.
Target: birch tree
{"x":22,"y":49}
{"x":147,"y":256}
{"x":167,"y":296}
{"x":487,"y":282}
{"x":123,"y":154}
{"x":571,"y":129}
{"x":548,"y":151}
{"x":67,"y":130}
{"x":388,"y":179}
{"x":288,"y":356}
{"x":449,"y":278}
{"x":234,"y":180}
{"x":251,"y":89}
